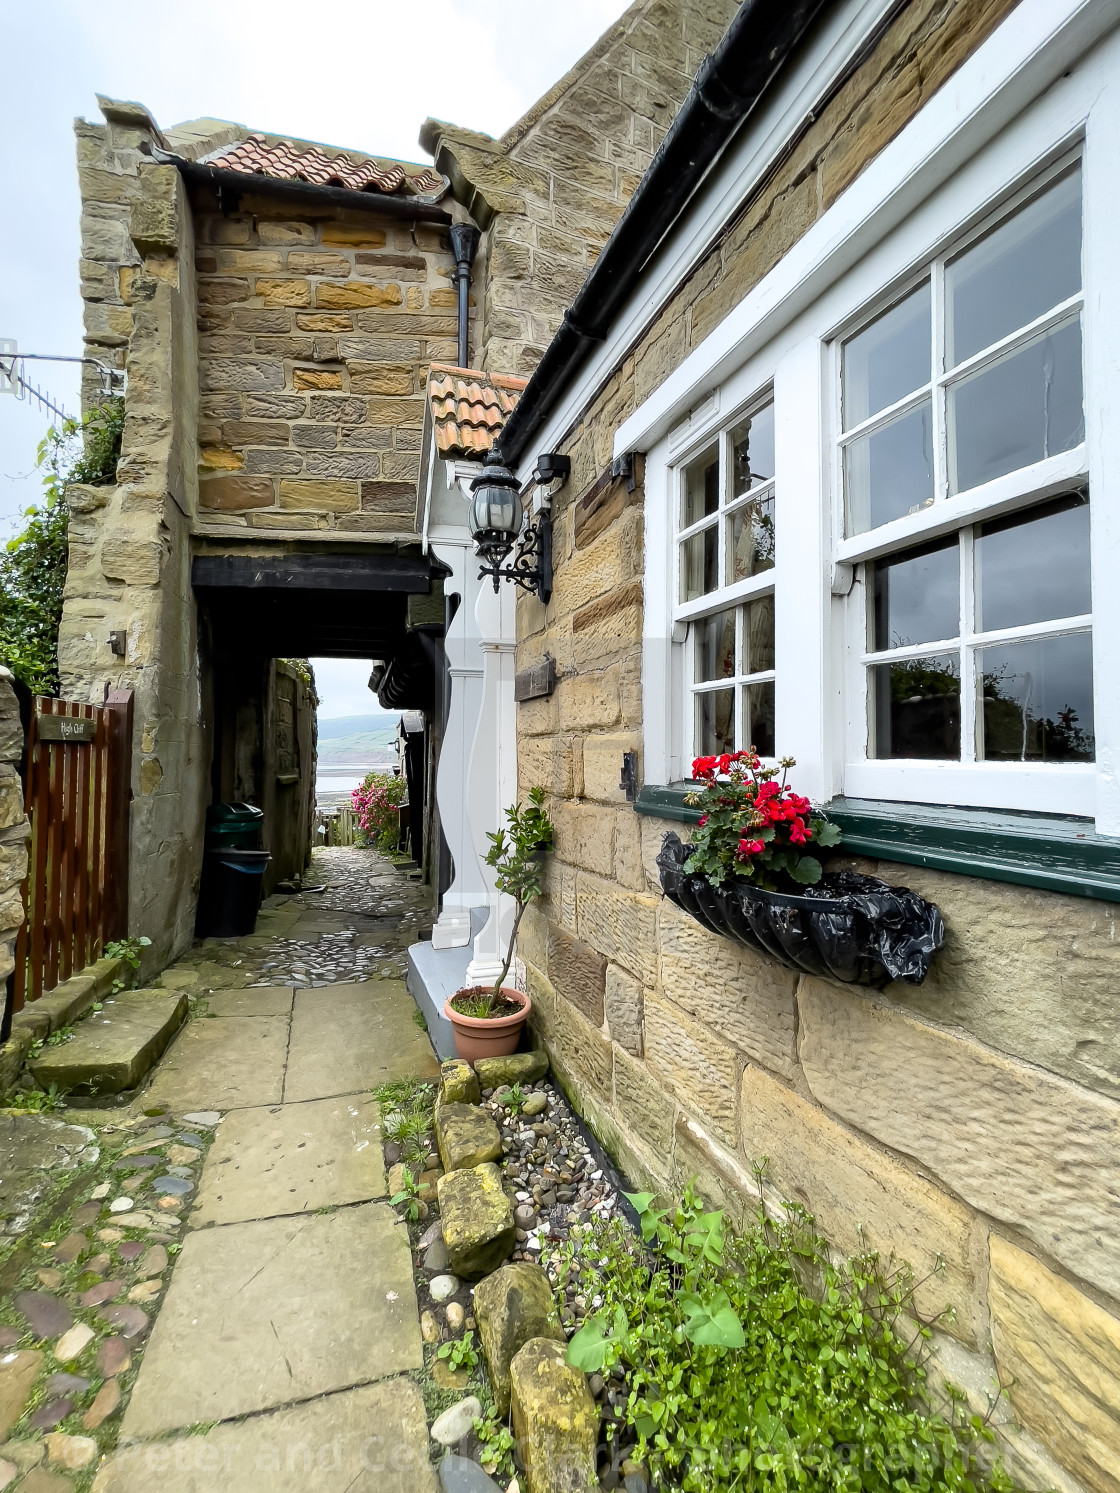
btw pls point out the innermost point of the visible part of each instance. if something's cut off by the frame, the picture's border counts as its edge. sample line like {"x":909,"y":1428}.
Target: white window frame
{"x":1046,"y":83}
{"x":726,"y":596}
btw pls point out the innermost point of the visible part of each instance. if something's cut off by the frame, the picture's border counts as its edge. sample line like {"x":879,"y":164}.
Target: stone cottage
{"x":275,"y":305}
{"x":836,"y":397}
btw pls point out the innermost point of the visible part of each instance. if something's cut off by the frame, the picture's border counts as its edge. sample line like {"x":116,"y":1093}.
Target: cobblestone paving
{"x":103,"y":1387}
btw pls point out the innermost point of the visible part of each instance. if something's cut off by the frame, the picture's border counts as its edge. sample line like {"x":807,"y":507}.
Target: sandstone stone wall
{"x":970,"y":1126}
{"x":551,"y":189}
{"x":129,"y":560}
{"x":14,"y":828}
{"x":315,"y":335}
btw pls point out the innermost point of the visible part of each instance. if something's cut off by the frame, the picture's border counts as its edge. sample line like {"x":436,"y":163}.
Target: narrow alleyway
{"x":280,"y":1356}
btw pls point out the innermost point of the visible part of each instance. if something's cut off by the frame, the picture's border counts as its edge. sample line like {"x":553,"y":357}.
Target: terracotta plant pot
{"x":493,"y":1037}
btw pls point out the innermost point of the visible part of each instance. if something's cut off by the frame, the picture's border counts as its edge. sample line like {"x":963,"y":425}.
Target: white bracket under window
{"x":843,"y":575}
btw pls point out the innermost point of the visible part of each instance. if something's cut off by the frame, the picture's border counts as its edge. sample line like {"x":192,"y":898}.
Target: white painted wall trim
{"x":1039,"y":41}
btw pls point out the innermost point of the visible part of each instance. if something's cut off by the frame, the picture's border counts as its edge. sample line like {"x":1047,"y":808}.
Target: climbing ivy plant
{"x":33,"y":564}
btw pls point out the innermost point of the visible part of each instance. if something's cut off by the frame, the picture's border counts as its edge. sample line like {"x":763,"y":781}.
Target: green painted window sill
{"x":1040,"y":850}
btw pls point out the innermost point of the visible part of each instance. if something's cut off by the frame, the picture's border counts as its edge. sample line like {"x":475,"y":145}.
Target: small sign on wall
{"x":66,"y":728}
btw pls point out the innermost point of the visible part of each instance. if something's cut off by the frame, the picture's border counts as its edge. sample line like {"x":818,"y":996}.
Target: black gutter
{"x":230,"y":186}
{"x":728,"y":87}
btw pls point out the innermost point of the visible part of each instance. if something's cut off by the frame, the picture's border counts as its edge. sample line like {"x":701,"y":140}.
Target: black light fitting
{"x":498,"y":523}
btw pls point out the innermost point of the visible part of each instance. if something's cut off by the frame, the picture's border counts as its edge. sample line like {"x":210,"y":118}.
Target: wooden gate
{"x":77,"y":794}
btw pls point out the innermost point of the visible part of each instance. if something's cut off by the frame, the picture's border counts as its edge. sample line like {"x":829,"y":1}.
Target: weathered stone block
{"x":748,"y":999}
{"x":478,"y":1226}
{"x":133,"y":562}
{"x":1059,"y":1356}
{"x":578,"y":973}
{"x":693,"y":1064}
{"x":590,"y":701}
{"x":354,"y":294}
{"x":554,"y":1420}
{"x":466,"y":1136}
{"x":458,"y":1083}
{"x":1015,"y":1142}
{"x":235,"y":494}
{"x":222,"y":292}
{"x":513,"y":1306}
{"x":323,"y":496}
{"x":584,"y":836}
{"x":239,"y":261}
{"x":861,"y":1197}
{"x":641,"y":1105}
{"x":622,"y":1004}
{"x":316,"y":378}
{"x":388,"y":378}
{"x":602,"y":765}
{"x":343,"y":464}
{"x":517,"y":1067}
{"x":283,"y":234}
{"x":353,"y":235}
{"x":283,"y":292}
{"x":251,"y":376}
{"x":302,"y":262}
{"x":314,"y":321}
{"x":620,"y":924}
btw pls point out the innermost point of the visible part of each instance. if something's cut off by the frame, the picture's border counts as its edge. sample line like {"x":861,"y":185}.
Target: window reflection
{"x":700,"y":564}
{"x":1034,"y":568}
{"x":715,"y":721}
{"x":752,"y":452}
{"x":889,"y":472}
{"x":917,"y":707}
{"x":701,"y":488}
{"x":917,"y":597}
{"x":1018,"y":272}
{"x":887,"y":360}
{"x":758,"y":718}
{"x":1038,"y":700}
{"x":715,"y":639}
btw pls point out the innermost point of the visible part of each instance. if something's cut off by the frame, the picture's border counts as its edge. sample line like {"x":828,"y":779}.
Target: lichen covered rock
{"x":518,"y":1067}
{"x":466,"y":1136}
{"x":554,"y":1420}
{"x":513,"y":1306}
{"x":458,"y":1083}
{"x":478,"y":1226}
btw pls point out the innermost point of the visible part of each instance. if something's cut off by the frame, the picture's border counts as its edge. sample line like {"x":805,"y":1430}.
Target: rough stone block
{"x":1032,"y":1150}
{"x":622,"y":1003}
{"x":641,"y":1106}
{"x":747,"y":998}
{"x":513,"y":1306}
{"x":316,"y":378}
{"x":132,"y":562}
{"x":322,"y":496}
{"x":694,"y":1065}
{"x":620,"y":924}
{"x":11,"y":797}
{"x":582,"y":1058}
{"x":283,"y":234}
{"x":578,"y":973}
{"x":478,"y":1226}
{"x":295,"y":293}
{"x":602,"y":765}
{"x":353,"y":464}
{"x":235,"y":494}
{"x":590,"y":702}
{"x":388,"y":378}
{"x":861,"y":1197}
{"x":116,"y":1052}
{"x":467,"y":1137}
{"x":352,"y":235}
{"x":239,"y":261}
{"x":250,"y":376}
{"x":1059,"y":1354}
{"x":354,"y":294}
{"x":302,"y":262}
{"x":584,"y":836}
{"x":517,"y":1067}
{"x":458,"y":1083}
{"x":555,"y":1420}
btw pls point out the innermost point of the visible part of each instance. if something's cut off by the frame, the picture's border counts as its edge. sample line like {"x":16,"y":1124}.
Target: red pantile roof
{"x":470,"y":408}
{"x":254,"y":156}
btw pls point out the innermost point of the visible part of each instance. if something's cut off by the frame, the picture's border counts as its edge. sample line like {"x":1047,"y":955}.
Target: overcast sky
{"x":358,"y":73}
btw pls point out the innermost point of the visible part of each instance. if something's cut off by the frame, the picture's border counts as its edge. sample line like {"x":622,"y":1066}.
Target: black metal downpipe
{"x":464,"y":245}
{"x":728,"y":87}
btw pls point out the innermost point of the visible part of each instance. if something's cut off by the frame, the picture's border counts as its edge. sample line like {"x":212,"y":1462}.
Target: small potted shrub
{"x":487,"y":1020}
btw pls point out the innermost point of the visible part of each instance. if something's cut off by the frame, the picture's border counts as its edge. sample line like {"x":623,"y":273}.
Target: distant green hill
{"x":357,"y":739}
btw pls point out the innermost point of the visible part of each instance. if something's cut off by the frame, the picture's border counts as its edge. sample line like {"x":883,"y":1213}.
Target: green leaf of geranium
{"x":825,"y":833}
{"x":807,"y":871}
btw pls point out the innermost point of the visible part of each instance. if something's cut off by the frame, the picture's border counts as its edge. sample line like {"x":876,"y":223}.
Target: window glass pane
{"x":889,"y":472}
{"x":1034,"y":568}
{"x":1038,"y":700}
{"x":750,"y":539}
{"x":1018,"y":410}
{"x":1020,"y":270}
{"x":758,"y":718}
{"x":917,"y":597}
{"x":752,"y":452}
{"x":700,"y":564}
{"x":888,"y":359}
{"x":758,"y":635}
{"x":715,"y":647}
{"x":917,"y":707}
{"x":701,"y":488}
{"x":715,"y":722}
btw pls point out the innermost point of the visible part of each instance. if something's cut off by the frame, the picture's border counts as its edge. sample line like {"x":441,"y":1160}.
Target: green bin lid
{"x":226,"y":816}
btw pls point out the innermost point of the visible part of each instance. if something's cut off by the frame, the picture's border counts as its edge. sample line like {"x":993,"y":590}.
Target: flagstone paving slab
{"x":275,"y":1001}
{"x":223,"y":1065}
{"x":372,"y":1037}
{"x":115,"y":1048}
{"x":292,"y":1159}
{"x":262,"y":1314}
{"x":368,"y":1440}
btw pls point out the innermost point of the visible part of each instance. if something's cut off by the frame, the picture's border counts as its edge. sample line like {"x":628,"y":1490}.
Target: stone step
{"x":116,"y":1047}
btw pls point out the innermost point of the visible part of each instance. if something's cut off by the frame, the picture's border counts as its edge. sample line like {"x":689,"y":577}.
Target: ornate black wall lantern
{"x":498,"y":523}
